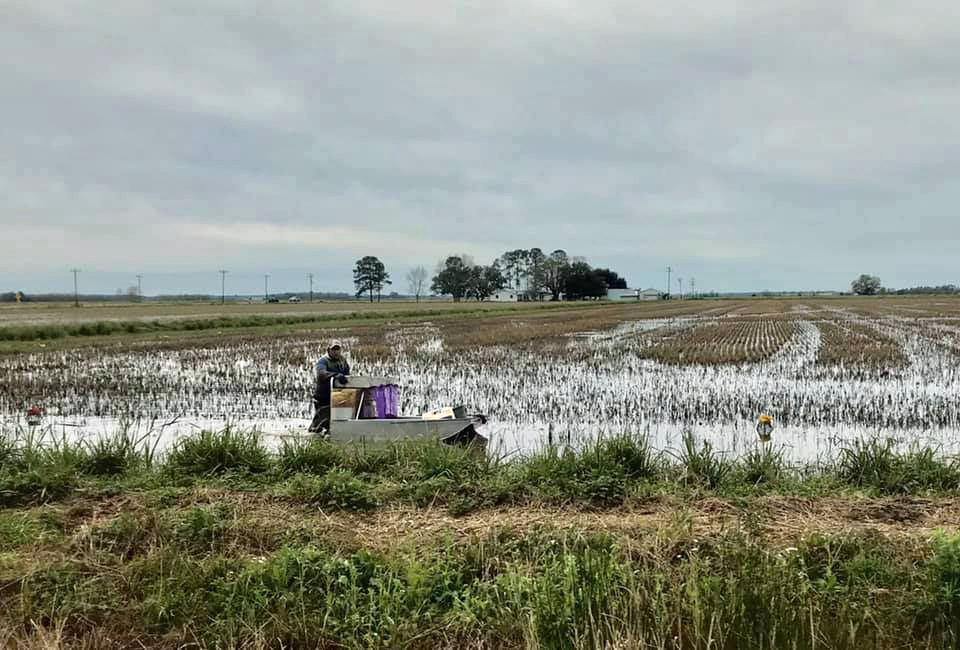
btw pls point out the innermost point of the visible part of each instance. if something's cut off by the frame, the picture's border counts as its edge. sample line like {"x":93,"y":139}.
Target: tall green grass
{"x":874,"y":463}
{"x":602,"y":472}
{"x":606,"y":472}
{"x":703,"y":465}
{"x":177,"y":583}
{"x":204,"y":573}
{"x":211,"y":453}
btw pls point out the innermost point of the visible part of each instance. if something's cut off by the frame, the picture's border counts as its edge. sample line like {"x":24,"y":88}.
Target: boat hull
{"x":456,"y":432}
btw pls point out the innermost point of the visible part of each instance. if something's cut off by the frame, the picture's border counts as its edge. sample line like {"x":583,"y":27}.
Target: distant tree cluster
{"x":460,"y":278}
{"x":869,"y":285}
{"x":531,"y":274}
{"x":556,"y":275}
{"x":944,"y":289}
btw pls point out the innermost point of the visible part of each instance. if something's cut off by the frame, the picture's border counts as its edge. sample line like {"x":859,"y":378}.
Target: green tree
{"x":485,"y":281}
{"x":453,"y":278}
{"x":866,"y":285}
{"x":369,"y":276}
{"x":513,"y":266}
{"x":612,"y":279}
{"x":584,"y":281}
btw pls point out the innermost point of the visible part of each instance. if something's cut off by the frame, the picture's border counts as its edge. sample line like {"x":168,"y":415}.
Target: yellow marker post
{"x":765,"y":427}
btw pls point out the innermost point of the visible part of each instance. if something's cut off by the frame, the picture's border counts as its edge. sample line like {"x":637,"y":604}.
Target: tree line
{"x":943,"y":289}
{"x":870,"y":285}
{"x":530,"y":274}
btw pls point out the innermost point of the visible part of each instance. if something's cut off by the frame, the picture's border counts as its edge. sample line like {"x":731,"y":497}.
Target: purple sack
{"x":385,"y":398}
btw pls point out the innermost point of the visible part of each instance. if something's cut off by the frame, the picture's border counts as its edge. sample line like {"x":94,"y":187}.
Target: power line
{"x":223,"y":284}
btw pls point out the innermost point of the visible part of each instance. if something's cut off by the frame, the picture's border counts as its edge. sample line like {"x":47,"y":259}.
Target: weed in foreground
{"x":212,"y":453}
{"x":941,"y":605}
{"x":30,"y":486}
{"x":601,"y":473}
{"x":761,"y":465}
{"x":39,"y":526}
{"x":313,"y":456}
{"x":110,"y":456}
{"x":874,"y":463}
{"x":337,"y":490}
{"x":703,"y":466}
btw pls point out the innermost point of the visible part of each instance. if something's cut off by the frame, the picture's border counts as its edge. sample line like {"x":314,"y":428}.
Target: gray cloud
{"x":754,"y":145}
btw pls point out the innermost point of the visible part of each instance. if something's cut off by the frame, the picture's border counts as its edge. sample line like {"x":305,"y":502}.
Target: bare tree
{"x":417,"y":278}
{"x":556,"y":268}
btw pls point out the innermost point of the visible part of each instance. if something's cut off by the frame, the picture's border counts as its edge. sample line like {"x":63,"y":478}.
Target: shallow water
{"x":799,"y":444}
{"x":532,"y":396}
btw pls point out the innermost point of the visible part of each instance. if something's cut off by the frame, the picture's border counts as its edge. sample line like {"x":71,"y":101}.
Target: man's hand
{"x":341,"y":380}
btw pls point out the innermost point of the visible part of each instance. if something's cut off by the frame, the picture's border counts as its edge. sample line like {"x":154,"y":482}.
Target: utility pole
{"x":668,"y":279}
{"x":310,"y":275}
{"x":76,"y":293}
{"x":223,"y":284}
{"x":139,"y":287}
{"x":693,"y":288}
{"x":266,"y":276}
{"x":680,"y":282}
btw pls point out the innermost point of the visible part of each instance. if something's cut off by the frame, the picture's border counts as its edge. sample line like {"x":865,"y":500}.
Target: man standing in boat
{"x":332,"y":365}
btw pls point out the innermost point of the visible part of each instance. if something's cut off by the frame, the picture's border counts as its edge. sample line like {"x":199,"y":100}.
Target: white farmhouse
{"x":520,"y":295}
{"x":622,"y":294}
{"x":506,"y":295}
{"x":650,"y":294}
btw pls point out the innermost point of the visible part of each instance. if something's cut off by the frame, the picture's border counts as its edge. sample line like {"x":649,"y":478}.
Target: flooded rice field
{"x":826,"y":374}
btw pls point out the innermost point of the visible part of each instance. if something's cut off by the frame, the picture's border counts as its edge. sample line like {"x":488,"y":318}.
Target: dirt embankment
{"x":779,"y":520}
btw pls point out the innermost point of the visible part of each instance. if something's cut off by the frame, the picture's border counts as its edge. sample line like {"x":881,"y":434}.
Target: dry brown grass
{"x":261,"y":523}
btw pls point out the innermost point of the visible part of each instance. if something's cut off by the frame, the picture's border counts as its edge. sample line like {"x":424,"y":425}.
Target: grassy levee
{"x":222,"y":543}
{"x":137,"y":326}
{"x":106,"y":329}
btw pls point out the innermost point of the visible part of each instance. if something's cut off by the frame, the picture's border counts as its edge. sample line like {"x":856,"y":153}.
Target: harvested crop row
{"x":940,"y":337}
{"x":723,"y":343}
{"x":855,"y":344}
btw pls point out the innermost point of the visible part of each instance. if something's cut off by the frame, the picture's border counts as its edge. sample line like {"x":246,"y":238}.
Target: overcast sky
{"x":751,"y":145}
